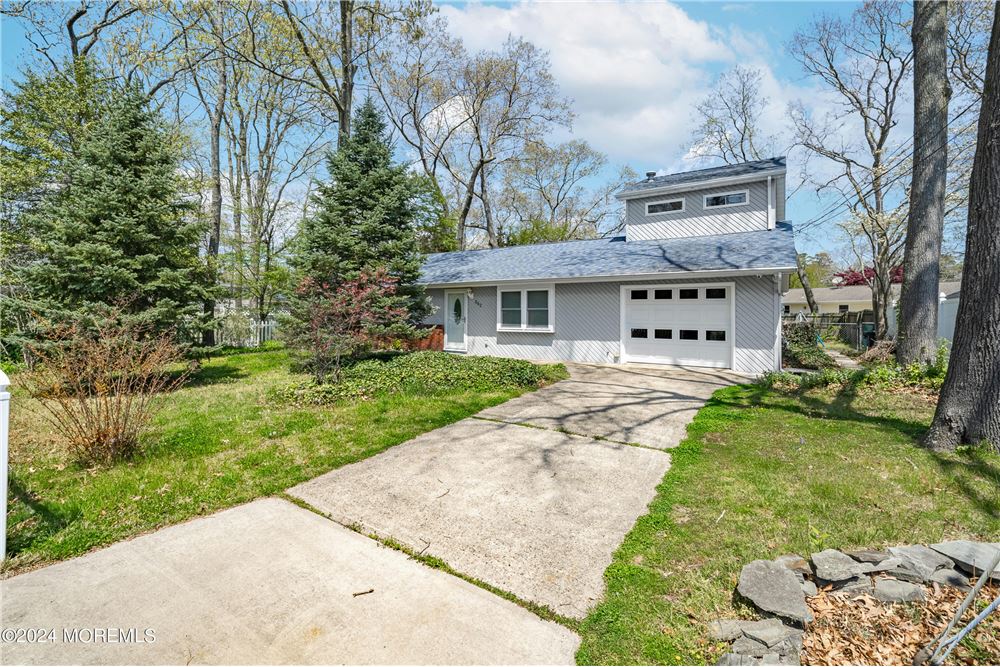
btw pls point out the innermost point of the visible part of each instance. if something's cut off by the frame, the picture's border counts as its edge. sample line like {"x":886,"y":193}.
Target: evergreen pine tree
{"x":115,"y":227}
{"x":365,"y":215}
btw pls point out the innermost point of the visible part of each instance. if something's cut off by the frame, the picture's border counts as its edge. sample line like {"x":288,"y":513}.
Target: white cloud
{"x":634,"y":71}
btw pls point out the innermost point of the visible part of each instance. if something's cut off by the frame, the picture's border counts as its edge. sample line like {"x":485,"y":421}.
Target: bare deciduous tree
{"x":864,"y":62}
{"x":547,"y":194}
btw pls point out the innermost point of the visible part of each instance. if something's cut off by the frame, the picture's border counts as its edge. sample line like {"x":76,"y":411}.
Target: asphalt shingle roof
{"x":761,"y":167}
{"x":615,"y":258}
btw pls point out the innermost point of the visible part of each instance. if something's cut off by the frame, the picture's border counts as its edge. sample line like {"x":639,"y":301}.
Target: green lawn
{"x":219,"y":441}
{"x":763,"y":473}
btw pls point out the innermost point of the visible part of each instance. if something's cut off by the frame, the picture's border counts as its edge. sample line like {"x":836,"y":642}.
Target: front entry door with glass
{"x":455,"y":321}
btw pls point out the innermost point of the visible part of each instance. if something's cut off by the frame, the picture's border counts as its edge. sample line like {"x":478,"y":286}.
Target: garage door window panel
{"x":688,"y":334}
{"x":688,"y":294}
{"x":715,"y":336}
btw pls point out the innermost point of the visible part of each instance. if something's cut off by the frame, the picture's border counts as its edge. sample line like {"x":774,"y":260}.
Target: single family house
{"x":695,"y":280}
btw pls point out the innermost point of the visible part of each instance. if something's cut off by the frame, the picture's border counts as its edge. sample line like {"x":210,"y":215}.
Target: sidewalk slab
{"x":268,"y":583}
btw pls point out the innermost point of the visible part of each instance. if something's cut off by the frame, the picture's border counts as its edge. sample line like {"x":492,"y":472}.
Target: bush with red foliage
{"x":853,"y":277}
{"x":330,"y":323}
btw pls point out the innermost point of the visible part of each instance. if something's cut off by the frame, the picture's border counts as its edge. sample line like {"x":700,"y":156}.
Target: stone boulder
{"x":892,"y":590}
{"x":775,"y":589}
{"x":921,"y":559}
{"x":833,"y":565}
{"x":971,"y":557}
{"x":952,"y":578}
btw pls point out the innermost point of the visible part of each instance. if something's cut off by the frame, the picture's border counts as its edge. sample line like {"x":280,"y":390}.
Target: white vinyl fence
{"x":947,"y":313}
{"x":245,"y":332}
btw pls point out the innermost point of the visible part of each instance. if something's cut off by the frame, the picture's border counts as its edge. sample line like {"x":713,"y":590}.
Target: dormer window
{"x":665,"y":206}
{"x":737,"y":198}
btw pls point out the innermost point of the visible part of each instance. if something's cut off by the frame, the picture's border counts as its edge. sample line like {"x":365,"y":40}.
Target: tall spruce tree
{"x":365,"y":214}
{"x":115,"y":227}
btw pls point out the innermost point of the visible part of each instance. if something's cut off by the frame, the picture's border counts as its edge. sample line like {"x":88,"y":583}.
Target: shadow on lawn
{"x":974,"y":472}
{"x":974,"y":464}
{"x":48,"y":521}
{"x":841,"y":408}
{"x":214,"y":373}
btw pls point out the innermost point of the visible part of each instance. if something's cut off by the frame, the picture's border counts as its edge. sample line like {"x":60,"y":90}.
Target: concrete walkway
{"x":507,"y":498}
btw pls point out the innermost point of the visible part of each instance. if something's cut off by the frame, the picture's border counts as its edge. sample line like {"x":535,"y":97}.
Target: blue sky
{"x":635,"y":70}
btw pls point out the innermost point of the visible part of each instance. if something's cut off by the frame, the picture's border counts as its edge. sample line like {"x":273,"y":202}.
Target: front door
{"x":455,"y":321}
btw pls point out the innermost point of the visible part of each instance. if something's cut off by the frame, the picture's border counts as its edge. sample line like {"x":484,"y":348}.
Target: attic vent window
{"x":724,"y":199}
{"x":667,"y":206}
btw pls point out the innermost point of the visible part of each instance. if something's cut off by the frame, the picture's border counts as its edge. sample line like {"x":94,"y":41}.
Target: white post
{"x":4,"y":418}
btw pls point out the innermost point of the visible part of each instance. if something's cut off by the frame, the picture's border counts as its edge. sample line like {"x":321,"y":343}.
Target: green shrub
{"x":426,"y":371}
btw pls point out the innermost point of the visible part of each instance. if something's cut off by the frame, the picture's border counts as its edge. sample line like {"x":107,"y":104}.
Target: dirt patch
{"x":865,"y":631}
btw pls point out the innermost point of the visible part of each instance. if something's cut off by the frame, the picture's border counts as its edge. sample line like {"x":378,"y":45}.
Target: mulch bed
{"x":866,"y":631}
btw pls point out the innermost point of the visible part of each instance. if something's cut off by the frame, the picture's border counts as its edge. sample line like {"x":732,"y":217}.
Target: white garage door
{"x":685,"y":325}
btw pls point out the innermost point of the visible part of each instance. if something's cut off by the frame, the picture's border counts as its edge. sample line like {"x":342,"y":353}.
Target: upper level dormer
{"x":721,"y":200}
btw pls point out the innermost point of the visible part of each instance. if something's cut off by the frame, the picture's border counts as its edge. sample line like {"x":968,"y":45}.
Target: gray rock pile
{"x":779,"y":588}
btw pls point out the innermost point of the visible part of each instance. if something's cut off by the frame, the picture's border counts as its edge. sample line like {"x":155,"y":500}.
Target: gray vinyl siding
{"x":695,"y":220}
{"x":436,"y":317}
{"x":588,"y":326}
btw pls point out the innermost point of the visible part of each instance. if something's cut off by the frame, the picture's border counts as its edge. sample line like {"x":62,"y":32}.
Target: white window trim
{"x":745,"y":193}
{"x":524,"y":289}
{"x":666,"y":201}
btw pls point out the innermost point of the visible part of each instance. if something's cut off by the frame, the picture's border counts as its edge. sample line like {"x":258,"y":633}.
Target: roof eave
{"x":701,"y":185}
{"x":606,"y":278}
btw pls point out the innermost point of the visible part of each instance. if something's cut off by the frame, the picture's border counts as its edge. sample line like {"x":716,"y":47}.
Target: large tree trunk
{"x":806,"y":286}
{"x":215,"y":166}
{"x":969,"y":408}
{"x":918,"y":304}
{"x":491,"y":232}
{"x":348,"y":69}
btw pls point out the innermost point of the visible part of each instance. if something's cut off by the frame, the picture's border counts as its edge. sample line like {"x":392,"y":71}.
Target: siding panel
{"x":695,"y":220}
{"x":587,"y":324}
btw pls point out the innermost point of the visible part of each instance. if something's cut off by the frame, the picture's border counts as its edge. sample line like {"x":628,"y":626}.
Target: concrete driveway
{"x":633,"y":403}
{"x":265,"y":583}
{"x":529,"y":509}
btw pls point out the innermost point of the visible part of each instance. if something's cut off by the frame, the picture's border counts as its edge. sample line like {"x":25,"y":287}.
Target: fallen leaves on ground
{"x":865,"y":631}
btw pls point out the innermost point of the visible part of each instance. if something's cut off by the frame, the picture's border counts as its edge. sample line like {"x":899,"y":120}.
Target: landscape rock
{"x":795,"y":563}
{"x":921,"y":559}
{"x":735,"y":659}
{"x":746,"y":646}
{"x":861,"y":585}
{"x":775,"y":589}
{"x":893,"y":590}
{"x":726,"y":629}
{"x":887,"y":564}
{"x":972,"y":557}
{"x":771,"y":633}
{"x":905,"y":574}
{"x":833,"y":565}
{"x":809,"y":588}
{"x":952,"y":578}
{"x":869,"y":555}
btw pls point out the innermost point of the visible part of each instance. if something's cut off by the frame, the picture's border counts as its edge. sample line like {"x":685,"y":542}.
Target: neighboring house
{"x":695,"y":280}
{"x":857,"y":298}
